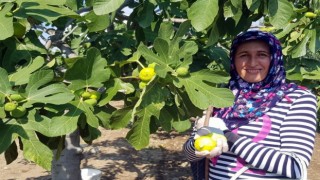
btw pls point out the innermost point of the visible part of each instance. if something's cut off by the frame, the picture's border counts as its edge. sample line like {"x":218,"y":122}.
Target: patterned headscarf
{"x":253,"y":100}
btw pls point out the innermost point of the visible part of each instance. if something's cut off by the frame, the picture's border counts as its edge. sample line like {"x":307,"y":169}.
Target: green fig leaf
{"x":91,"y":71}
{"x":202,"y":94}
{"x":39,"y":90}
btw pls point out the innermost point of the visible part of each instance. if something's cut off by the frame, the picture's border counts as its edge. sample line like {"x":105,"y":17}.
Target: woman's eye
{"x":263,"y":55}
{"x":243,"y":55}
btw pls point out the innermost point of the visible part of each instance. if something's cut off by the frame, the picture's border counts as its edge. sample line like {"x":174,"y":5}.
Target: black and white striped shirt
{"x":289,"y":127}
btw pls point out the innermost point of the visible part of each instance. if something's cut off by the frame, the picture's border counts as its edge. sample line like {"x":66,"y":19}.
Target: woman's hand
{"x":222,"y":146}
{"x":216,"y":127}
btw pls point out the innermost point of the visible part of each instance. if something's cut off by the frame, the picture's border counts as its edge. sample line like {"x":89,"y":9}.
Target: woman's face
{"x":252,"y":61}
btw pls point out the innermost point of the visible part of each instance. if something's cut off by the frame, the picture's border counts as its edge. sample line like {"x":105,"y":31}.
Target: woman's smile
{"x":254,"y":71}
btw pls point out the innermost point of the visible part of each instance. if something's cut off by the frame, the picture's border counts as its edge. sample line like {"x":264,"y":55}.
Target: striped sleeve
{"x":189,"y":150}
{"x":297,"y":135}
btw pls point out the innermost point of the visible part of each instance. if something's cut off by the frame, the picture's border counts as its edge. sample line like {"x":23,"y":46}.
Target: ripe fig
{"x":146,"y":74}
{"x":310,"y":15}
{"x":204,"y":143}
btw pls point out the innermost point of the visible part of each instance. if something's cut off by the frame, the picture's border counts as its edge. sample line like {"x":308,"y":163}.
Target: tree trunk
{"x":67,"y":167}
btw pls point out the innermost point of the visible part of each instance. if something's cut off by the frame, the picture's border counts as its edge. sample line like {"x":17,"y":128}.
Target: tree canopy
{"x":64,"y":62}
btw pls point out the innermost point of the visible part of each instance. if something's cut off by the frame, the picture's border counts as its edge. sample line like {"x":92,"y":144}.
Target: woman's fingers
{"x":202,"y":153}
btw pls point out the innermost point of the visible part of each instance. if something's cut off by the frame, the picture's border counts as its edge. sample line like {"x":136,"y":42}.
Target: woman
{"x":270,"y":129}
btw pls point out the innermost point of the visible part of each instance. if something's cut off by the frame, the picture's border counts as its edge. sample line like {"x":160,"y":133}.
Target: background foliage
{"x":53,"y":51}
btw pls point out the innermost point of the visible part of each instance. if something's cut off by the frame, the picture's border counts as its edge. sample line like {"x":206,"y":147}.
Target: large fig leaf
{"x":232,"y":9}
{"x":6,"y":24}
{"x":5,"y":86}
{"x":139,"y":134}
{"x":22,"y":75}
{"x":280,"y":12}
{"x":252,"y":5}
{"x":162,"y":48}
{"x":91,"y":71}
{"x":181,"y":126}
{"x":202,"y":94}
{"x":43,"y":11}
{"x":314,"y":40}
{"x":166,"y":31}
{"x":202,"y":13}
{"x":87,"y":109}
{"x":38,"y":92}
{"x":170,"y":118}
{"x":112,"y":89}
{"x":101,"y":7}
{"x":145,"y":16}
{"x":162,"y":68}
{"x":97,"y":22}
{"x":301,"y":48}
{"x":54,"y":126}
{"x":9,"y":131}
{"x":168,"y":51}
{"x":187,"y":49}
{"x":121,"y":118}
{"x":154,"y":93}
{"x":181,"y":32}
{"x":36,"y":151}
{"x":104,"y":115}
{"x":167,"y":117}
{"x":151,"y":101}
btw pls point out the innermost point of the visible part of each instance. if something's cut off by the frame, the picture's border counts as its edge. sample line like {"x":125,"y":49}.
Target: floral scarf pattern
{"x":253,"y":100}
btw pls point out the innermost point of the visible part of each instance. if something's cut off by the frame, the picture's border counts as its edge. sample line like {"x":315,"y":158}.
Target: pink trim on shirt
{"x":263,"y":133}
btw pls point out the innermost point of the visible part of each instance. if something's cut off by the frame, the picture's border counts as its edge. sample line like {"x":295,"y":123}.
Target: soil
{"x":113,"y":155}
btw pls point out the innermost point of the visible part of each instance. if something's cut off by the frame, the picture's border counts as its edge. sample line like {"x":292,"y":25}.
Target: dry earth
{"x":111,"y":153}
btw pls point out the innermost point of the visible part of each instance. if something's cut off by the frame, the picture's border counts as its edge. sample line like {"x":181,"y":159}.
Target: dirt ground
{"x":111,"y":153}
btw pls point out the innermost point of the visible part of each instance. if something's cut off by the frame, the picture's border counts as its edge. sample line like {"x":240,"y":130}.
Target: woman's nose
{"x":252,"y":61}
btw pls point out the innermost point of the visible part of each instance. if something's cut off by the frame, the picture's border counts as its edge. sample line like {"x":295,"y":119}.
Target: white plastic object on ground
{"x":90,"y":174}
